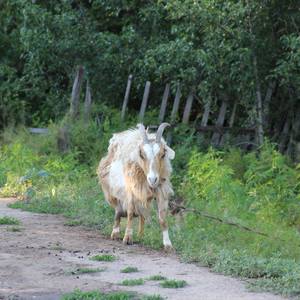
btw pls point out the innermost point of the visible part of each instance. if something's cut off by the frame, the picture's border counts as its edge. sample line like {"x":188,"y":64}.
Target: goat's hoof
{"x":168,"y":248}
{"x":115,"y":235}
{"x":127,"y":240}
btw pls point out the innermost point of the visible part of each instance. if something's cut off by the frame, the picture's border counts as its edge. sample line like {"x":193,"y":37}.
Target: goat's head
{"x":153,"y":154}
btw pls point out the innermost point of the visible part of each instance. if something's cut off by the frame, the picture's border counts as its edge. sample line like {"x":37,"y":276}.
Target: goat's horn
{"x":142,"y":130}
{"x":160,"y":131}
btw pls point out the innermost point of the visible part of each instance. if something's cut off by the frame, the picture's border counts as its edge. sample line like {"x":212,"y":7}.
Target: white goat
{"x":136,"y":170}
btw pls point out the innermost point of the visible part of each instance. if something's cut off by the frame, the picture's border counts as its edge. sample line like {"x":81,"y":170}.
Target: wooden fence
{"x":217,"y":133}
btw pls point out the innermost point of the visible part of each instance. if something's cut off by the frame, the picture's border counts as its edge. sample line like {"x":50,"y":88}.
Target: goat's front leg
{"x":116,"y":229}
{"x":128,"y":233}
{"x":162,"y":215}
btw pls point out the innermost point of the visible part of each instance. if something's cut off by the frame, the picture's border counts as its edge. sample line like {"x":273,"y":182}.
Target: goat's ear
{"x":170,"y":152}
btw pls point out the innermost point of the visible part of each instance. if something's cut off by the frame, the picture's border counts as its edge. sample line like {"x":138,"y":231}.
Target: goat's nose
{"x":153,"y":180}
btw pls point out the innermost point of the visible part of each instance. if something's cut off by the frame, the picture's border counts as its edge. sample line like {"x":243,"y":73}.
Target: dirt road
{"x":36,"y":262}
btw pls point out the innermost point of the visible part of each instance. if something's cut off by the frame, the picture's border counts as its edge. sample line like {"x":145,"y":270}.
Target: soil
{"x":35,"y":263}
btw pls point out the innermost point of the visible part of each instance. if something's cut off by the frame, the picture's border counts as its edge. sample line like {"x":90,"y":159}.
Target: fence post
{"x":188,"y":108}
{"x":126,"y":97}
{"x":87,"y":102}
{"x":205,"y":114}
{"x":74,"y":107}
{"x":225,"y":136}
{"x":144,"y":102}
{"x":176,"y":104}
{"x":164,"y":103}
{"x":174,"y":112}
{"x":220,"y":121}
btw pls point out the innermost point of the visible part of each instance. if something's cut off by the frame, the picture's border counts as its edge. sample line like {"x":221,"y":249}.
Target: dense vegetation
{"x":256,"y":190}
{"x":243,"y":52}
{"x":246,"y":53}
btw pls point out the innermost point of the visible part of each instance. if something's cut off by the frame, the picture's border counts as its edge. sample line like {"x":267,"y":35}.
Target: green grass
{"x":129,"y":270}
{"x":173,"y":284}
{"x":14,"y":229}
{"x":152,"y":297}
{"x":81,"y":271}
{"x":257,"y":190}
{"x":132,"y":282}
{"x":103,"y":257}
{"x":72,"y":223}
{"x":157,"y":277}
{"x":9,"y":221}
{"x":97,"y":295}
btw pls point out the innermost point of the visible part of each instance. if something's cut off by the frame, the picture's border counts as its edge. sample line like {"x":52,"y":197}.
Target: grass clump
{"x":132,"y":282}
{"x":103,"y":257}
{"x":14,"y":229}
{"x":173,"y":284}
{"x":157,"y":277}
{"x":97,"y":295}
{"x":9,"y":221}
{"x":129,"y":270}
{"x":81,"y":271}
{"x":72,"y":223}
{"x":152,"y":297}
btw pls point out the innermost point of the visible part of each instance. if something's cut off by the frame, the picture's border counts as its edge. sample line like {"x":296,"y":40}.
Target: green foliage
{"x":173,"y":284}
{"x":129,"y":270}
{"x":157,"y":277}
{"x":132,"y":282}
{"x":96,"y":295}
{"x":103,"y":257}
{"x":9,"y":221}
{"x":257,"y":190}
{"x":207,"y":45}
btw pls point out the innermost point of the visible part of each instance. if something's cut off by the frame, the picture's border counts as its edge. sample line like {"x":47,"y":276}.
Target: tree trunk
{"x":74,"y":108}
{"x":87,"y":103}
{"x":267,"y":102}
{"x":259,"y":106}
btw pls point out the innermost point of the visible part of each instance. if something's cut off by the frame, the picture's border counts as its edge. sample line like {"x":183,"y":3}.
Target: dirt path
{"x":34,"y":264}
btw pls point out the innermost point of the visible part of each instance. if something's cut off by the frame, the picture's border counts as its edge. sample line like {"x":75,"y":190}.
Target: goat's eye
{"x":163,"y":155}
{"x":141,"y":155}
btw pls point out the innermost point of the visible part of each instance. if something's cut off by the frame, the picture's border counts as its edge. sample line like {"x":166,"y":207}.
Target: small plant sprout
{"x":129,"y":270}
{"x":103,"y":257}
{"x":132,"y":282}
{"x":157,"y":277}
{"x":9,"y":221}
{"x":173,"y":284}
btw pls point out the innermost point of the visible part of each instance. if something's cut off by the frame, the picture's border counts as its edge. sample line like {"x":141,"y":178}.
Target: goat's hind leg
{"x":141,"y":226}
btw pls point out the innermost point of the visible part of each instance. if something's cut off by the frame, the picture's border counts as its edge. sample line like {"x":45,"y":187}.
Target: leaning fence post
{"x":144,"y":102}
{"x":74,"y":107}
{"x":220,"y":121}
{"x":176,"y":104}
{"x":164,"y":103}
{"x":188,"y":108}
{"x":87,"y":102}
{"x":174,"y":112}
{"x":126,"y":97}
